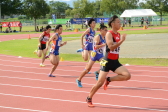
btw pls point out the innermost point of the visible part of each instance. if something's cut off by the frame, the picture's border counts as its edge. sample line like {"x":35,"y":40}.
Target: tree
{"x":58,"y":8}
{"x":35,"y":9}
{"x":96,"y":8}
{"x":10,"y":7}
{"x":160,"y":6}
{"x":118,"y":6}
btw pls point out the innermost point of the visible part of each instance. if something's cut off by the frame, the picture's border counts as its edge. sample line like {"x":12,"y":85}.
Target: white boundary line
{"x":23,"y":109}
{"x":78,"y":66}
{"x":84,"y":62}
{"x":74,"y":70}
{"x":85,"y":77}
{"x":102,"y":104}
{"x":82,"y":83}
{"x":84,"y":92}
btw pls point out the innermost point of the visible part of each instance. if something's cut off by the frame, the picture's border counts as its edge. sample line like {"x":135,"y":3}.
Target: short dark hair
{"x":58,"y":26}
{"x":90,"y":21}
{"x":102,"y":26}
{"x":112,"y":19}
{"x":47,"y":27}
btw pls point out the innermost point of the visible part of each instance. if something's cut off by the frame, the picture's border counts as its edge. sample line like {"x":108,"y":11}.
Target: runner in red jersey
{"x":43,"y":39}
{"x":110,"y":61}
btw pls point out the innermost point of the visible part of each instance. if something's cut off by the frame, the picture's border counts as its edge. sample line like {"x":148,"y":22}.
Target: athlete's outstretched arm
{"x":97,"y":40}
{"x":110,"y":42}
{"x":86,"y":32}
{"x":40,"y":37}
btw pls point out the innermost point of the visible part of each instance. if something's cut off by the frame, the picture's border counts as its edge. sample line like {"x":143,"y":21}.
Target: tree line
{"x":36,"y":9}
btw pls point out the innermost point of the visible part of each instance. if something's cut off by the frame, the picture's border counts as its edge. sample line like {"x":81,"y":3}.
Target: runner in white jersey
{"x":96,"y":54}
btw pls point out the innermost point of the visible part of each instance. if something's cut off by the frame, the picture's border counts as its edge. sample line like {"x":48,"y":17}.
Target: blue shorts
{"x":88,"y":46}
{"x":97,"y":57}
{"x":55,"y":52}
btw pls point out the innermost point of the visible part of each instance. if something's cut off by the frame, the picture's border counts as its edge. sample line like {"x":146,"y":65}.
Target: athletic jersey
{"x":99,"y":50}
{"x":45,"y":38}
{"x":89,"y":37}
{"x":56,"y":44}
{"x":113,"y":55}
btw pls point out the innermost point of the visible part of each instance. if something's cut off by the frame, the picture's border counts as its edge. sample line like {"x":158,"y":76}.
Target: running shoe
{"x":46,"y":56}
{"x":97,"y":75}
{"x":50,"y":75}
{"x":106,"y":83}
{"x":89,"y":102}
{"x":41,"y":65}
{"x":78,"y":83}
{"x":79,"y":50}
{"x":35,"y":52}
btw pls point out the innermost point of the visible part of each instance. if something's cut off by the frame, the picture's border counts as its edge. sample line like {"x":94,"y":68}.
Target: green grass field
{"x":26,"y":47}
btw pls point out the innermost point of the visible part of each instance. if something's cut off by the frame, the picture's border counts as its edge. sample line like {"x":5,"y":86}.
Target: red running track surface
{"x":24,"y":86}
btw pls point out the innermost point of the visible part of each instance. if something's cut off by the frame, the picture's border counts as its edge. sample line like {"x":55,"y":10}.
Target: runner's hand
{"x":39,"y":45}
{"x":123,"y":37}
{"x":83,"y":46}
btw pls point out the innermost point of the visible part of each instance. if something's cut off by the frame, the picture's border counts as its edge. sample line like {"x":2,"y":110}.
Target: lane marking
{"x":83,"y":92}
{"x":82,"y":83}
{"x":23,"y":109}
{"x":85,"y":77}
{"x":140,"y":108}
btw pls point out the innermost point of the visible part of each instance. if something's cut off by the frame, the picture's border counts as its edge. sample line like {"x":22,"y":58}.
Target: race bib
{"x":115,"y":51}
{"x":93,"y":54}
{"x":103,"y":62}
{"x":90,"y":39}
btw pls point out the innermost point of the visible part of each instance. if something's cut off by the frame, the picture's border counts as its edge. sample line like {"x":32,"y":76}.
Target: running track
{"x":24,"y":87}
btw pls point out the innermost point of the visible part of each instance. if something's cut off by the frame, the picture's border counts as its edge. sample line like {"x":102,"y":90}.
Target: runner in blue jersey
{"x":89,"y":35}
{"x":54,"y":51}
{"x":96,"y":54}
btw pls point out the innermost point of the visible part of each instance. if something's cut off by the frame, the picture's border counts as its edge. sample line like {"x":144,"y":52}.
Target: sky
{"x":70,"y":2}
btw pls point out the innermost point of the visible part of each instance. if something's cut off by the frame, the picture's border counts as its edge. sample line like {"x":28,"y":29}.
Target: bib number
{"x":103,"y":62}
{"x":93,"y":54}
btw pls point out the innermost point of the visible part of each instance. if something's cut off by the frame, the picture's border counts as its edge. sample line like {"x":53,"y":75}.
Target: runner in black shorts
{"x":43,"y":46}
{"x":110,"y":61}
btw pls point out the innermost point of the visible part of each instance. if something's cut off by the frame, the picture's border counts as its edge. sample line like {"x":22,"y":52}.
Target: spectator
{"x":129,"y":21}
{"x":142,"y":21}
{"x":0,"y":27}
{"x":147,"y":22}
{"x":9,"y":25}
{"x":20,"y":26}
{"x":7,"y":30}
{"x":37,"y":29}
{"x":125,"y":22}
{"x":86,"y":23}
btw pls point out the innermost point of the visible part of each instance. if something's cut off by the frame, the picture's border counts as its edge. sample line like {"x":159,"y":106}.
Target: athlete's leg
{"x":54,"y":59}
{"x":44,"y":51}
{"x":101,"y":79}
{"x":85,"y":55}
{"x":39,"y":53}
{"x":88,"y":68}
{"x":123,"y":74}
{"x":98,"y":71}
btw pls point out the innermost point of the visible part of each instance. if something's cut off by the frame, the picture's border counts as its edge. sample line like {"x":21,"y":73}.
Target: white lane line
{"x":82,"y":83}
{"x":84,"y":92}
{"x":74,"y":70}
{"x":82,"y":62}
{"x":23,"y":109}
{"x":140,"y":108}
{"x":85,"y":77}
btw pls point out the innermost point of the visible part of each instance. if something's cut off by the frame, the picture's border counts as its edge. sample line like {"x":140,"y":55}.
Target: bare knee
{"x":127,"y":76}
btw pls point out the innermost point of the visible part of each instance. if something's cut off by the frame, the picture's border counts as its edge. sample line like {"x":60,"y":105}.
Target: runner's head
{"x":92,"y":23}
{"x":103,"y":29}
{"x":47,"y":28}
{"x":114,"y":22}
{"x":58,"y":29}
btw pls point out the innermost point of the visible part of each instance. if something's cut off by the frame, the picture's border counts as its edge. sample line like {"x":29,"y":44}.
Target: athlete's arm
{"x":64,"y":43}
{"x":86,"y":32}
{"x":97,"y":40}
{"x":40,"y":38}
{"x":110,"y":43}
{"x":54,"y":37}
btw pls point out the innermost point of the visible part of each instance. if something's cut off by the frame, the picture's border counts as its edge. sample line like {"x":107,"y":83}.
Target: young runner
{"x":89,"y":35}
{"x":110,"y":61}
{"x":43,"y":39}
{"x":54,"y":51}
{"x":96,"y":54}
